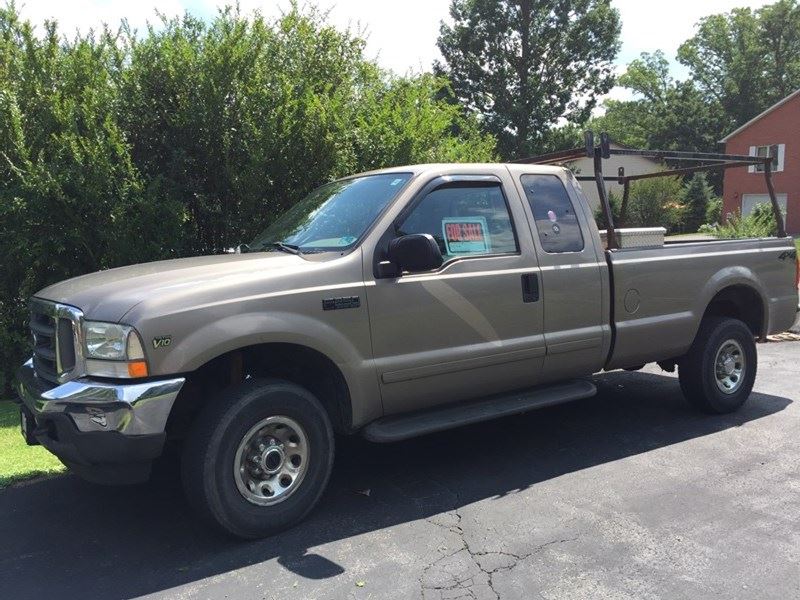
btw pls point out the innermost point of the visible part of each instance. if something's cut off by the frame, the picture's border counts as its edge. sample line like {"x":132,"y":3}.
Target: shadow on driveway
{"x":69,"y":539}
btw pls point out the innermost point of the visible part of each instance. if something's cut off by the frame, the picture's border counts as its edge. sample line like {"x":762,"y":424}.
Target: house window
{"x":776,"y":151}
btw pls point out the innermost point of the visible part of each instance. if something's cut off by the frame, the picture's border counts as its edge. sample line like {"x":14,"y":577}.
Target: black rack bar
{"x":626,"y":193}
{"x":553,"y":157}
{"x":776,"y":209}
{"x":675,"y":155}
{"x":604,"y":151}
{"x":611,"y":236}
{"x":688,"y":170}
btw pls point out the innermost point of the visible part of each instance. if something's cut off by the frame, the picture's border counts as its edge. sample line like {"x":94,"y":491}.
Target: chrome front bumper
{"x":130,"y":409}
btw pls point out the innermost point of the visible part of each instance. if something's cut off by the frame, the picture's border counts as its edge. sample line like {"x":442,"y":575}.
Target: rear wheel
{"x":258,"y":458}
{"x":718,"y":372}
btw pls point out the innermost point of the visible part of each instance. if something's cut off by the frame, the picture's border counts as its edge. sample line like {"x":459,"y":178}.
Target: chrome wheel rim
{"x":271,"y":460}
{"x":729,"y":367}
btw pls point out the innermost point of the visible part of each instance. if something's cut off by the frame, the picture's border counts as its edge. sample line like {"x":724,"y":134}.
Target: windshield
{"x":334,"y":216}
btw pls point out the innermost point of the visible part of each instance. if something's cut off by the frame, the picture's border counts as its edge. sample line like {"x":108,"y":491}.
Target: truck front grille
{"x":54,"y":341}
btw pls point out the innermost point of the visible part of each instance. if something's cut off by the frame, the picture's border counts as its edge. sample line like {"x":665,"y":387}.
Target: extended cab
{"x":392,"y":304}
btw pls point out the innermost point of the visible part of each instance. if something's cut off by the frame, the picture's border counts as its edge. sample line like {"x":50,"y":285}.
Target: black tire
{"x":210,"y":451}
{"x":698,"y":369}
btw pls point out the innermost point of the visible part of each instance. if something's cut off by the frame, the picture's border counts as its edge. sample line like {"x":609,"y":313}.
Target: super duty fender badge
{"x":339,"y":303}
{"x":162,"y":341}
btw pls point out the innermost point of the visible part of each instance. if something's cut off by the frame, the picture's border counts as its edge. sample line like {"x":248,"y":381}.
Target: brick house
{"x":776,"y":133}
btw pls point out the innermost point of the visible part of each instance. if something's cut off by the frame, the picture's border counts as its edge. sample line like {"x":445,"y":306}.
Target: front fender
{"x":237,"y":331}
{"x":219,"y":336}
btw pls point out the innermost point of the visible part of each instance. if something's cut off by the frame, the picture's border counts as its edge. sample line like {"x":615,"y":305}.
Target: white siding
{"x":634,"y":165}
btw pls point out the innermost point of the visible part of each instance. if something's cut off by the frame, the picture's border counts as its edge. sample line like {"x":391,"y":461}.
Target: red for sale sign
{"x":466,"y":235}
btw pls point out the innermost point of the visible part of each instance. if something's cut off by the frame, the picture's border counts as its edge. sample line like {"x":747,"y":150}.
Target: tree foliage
{"x":746,"y":60}
{"x":698,"y":198}
{"x":740,"y":63}
{"x":524,"y":65}
{"x":655,"y":202}
{"x":188,"y":138}
{"x":664,"y":113}
{"x":760,"y":223}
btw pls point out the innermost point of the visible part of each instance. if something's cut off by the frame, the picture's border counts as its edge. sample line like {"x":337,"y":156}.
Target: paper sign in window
{"x":466,"y":235}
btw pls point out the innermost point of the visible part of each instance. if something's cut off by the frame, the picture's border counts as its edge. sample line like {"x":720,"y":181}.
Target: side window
{"x":556,"y":222}
{"x":464,"y":220}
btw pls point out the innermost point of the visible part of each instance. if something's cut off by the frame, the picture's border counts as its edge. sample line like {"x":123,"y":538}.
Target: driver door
{"x":473,"y":326}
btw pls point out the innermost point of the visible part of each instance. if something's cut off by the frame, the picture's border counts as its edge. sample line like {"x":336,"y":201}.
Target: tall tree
{"x":746,"y":60}
{"x":525,"y":65}
{"x":698,"y":198}
{"x":664,"y":113}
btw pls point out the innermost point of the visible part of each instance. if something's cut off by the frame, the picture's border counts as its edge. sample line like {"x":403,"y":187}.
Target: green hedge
{"x":189,"y":137}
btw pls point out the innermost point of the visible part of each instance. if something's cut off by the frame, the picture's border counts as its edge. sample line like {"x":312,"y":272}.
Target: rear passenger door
{"x":572,"y":277}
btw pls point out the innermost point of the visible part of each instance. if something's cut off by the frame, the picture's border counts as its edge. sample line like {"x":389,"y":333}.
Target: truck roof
{"x":463,"y":168}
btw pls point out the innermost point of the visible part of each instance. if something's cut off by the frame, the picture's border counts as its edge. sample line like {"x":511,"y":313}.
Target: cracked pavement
{"x":630,"y":494}
{"x":468,"y":573}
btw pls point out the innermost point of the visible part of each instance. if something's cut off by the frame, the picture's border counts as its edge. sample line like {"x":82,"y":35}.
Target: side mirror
{"x":415,"y":253}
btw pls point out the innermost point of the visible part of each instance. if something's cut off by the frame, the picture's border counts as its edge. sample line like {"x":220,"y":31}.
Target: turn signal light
{"x":137,"y":368}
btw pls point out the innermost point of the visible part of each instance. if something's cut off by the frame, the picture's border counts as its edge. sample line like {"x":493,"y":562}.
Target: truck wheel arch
{"x":740,"y":301}
{"x":296,"y":363}
{"x":236,"y":335}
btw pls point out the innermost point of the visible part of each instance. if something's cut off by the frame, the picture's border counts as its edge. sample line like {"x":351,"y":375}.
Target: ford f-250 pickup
{"x":393,"y":303}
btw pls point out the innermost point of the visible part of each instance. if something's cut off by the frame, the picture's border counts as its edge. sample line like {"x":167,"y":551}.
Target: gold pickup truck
{"x":389,"y":304}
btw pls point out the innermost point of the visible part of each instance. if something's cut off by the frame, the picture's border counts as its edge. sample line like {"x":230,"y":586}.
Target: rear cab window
{"x":553,"y":213}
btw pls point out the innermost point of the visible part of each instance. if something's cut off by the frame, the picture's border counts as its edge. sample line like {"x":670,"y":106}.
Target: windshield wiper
{"x":283,"y":247}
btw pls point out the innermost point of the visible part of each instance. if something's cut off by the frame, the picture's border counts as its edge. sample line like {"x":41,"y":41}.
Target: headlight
{"x":113,"y":350}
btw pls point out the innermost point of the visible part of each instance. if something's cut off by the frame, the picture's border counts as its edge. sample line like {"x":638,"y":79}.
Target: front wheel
{"x":258,"y":458}
{"x":718,"y":372}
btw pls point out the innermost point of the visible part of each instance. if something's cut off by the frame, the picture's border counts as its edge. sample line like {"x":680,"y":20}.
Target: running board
{"x":403,"y":427}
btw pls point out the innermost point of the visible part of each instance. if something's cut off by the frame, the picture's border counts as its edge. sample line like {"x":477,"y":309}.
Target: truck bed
{"x":660,"y":294}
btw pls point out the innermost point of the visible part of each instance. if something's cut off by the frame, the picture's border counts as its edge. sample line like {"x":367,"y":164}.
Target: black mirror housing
{"x":415,"y":253}
{"x":386,"y":269}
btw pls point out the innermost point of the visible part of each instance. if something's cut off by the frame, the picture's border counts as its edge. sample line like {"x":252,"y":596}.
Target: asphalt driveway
{"x":629,"y":494}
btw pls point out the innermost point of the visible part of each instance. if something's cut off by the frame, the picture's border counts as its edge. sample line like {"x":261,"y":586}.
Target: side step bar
{"x":403,"y":427}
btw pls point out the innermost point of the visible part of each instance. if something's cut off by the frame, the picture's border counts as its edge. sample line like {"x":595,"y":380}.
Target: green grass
{"x":797,"y":243}
{"x":18,"y":461}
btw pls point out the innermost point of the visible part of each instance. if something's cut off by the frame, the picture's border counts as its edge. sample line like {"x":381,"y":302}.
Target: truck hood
{"x":109,"y":295}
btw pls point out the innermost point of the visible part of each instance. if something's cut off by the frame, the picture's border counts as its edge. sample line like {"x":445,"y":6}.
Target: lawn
{"x":19,"y":461}
{"x":797,"y":243}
